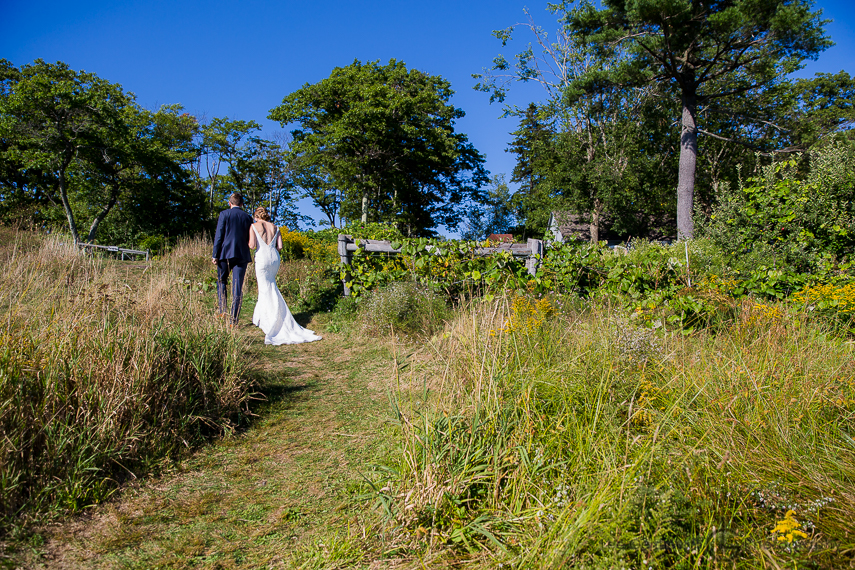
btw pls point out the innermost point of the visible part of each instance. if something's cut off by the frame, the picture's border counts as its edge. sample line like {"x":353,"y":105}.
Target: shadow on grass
{"x":304,"y":318}
{"x":271,"y":394}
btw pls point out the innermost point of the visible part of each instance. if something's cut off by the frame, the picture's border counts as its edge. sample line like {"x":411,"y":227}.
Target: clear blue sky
{"x":239,"y":59}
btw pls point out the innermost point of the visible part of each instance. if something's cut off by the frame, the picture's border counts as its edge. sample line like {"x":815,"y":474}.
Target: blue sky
{"x":239,"y":59}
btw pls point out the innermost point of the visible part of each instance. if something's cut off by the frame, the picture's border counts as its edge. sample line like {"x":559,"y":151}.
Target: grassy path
{"x":280,"y":494}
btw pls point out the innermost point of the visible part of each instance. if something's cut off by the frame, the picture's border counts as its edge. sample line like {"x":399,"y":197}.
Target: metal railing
{"x":116,"y":249}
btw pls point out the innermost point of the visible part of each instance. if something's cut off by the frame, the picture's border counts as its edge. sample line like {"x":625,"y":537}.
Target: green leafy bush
{"x":451,"y":266}
{"x":787,"y":220}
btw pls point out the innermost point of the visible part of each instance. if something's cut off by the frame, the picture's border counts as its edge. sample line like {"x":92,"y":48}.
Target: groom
{"x":231,"y":254}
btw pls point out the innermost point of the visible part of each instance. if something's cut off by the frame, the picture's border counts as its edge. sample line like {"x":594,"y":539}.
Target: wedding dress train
{"x":271,"y":313}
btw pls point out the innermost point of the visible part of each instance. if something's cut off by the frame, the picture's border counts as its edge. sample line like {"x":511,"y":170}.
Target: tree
{"x":320,"y":185}
{"x":221,"y":142}
{"x":816,"y":109}
{"x":495,"y":216}
{"x":532,"y":146}
{"x":20,"y":188}
{"x":152,"y":186}
{"x":59,"y":122}
{"x":586,"y":147}
{"x":256,"y":167}
{"x":384,"y":136}
{"x":74,"y":142}
{"x":709,"y":51}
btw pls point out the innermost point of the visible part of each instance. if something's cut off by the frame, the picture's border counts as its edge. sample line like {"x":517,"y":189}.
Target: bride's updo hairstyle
{"x":261,"y":214}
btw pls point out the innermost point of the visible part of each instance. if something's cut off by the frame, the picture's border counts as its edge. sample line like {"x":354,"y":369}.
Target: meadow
{"x":106,"y":370}
{"x":556,"y":433}
{"x":635,"y":414}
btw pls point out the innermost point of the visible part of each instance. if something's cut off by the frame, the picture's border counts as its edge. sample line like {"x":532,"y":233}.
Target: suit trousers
{"x":238,"y":270}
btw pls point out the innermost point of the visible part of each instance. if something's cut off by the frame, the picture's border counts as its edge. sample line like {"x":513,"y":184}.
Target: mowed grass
{"x":286,"y":493}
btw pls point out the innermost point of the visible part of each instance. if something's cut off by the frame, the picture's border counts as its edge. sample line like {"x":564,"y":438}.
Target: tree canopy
{"x":78,"y":150}
{"x":598,"y":152}
{"x":383,"y":137}
{"x":74,"y":141}
{"x":709,"y":52}
{"x":631,"y":81}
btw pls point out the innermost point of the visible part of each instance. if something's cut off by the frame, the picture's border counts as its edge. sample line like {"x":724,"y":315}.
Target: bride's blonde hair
{"x":261,"y":214}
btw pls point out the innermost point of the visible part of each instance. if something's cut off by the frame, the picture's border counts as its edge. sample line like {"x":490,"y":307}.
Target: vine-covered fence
{"x":532,"y":251}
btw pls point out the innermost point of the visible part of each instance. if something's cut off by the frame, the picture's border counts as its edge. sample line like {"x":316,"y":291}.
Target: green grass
{"x":106,"y":371}
{"x":286,"y":492}
{"x":526,"y":433}
{"x":571,"y":437}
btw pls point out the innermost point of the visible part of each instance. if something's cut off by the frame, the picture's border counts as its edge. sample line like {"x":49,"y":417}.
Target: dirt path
{"x":282,"y":494}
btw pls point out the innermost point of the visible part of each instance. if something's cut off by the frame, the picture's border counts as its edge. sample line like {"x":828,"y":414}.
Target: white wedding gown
{"x":271,"y":313}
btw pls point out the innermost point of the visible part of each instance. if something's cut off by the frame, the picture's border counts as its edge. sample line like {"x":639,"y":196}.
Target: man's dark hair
{"x":236,"y":199}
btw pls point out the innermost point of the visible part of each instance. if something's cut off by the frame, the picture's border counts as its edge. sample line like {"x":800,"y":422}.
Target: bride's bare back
{"x":268,"y":233}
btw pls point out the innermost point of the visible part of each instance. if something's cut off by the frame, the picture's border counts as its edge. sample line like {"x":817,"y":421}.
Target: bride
{"x":271,"y":313}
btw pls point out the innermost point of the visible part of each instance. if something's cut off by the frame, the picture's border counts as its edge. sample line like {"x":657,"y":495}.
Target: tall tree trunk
{"x":596,"y":205}
{"x":93,"y":229}
{"x":595,"y":221}
{"x":688,"y":164}
{"x":211,"y":195}
{"x":365,"y":208}
{"x":66,"y":205}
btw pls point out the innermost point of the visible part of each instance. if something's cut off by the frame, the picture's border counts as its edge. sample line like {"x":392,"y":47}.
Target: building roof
{"x":501,"y":238}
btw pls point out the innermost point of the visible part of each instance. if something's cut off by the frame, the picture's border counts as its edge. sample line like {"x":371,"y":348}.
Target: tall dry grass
{"x":566,"y":436}
{"x":107,"y":369}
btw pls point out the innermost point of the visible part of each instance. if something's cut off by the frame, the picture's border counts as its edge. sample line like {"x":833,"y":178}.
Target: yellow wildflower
{"x":787,"y":529}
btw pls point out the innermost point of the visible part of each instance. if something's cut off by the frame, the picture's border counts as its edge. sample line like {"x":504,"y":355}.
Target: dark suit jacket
{"x":232,"y":238}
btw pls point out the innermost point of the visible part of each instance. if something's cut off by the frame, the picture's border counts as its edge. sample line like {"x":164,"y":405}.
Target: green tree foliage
{"x":599,"y":152}
{"x":320,"y":185}
{"x":231,"y":157}
{"x":710,"y":53}
{"x":220,"y":144}
{"x":532,"y":144}
{"x":818,"y":109}
{"x":787,"y":219}
{"x":78,"y":147}
{"x":495,"y":216}
{"x":383,"y":136}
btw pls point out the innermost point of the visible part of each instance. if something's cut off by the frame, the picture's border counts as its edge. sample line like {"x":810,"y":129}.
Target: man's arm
{"x":218,"y":238}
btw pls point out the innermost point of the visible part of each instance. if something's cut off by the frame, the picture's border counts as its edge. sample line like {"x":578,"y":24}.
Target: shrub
{"x":410,"y":309}
{"x":308,"y":285}
{"x":156,"y":244}
{"x":786,"y":219}
{"x":835,"y":302}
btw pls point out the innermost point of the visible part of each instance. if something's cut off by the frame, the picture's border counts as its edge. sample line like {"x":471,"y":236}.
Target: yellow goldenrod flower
{"x":787,"y":529}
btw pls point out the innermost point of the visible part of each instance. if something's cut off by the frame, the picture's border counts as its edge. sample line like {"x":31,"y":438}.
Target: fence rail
{"x":532,"y":250}
{"x":120,"y":250}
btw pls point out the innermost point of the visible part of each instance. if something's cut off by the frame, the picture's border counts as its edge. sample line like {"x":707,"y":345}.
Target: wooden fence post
{"x":532,"y":262}
{"x":346,"y":257}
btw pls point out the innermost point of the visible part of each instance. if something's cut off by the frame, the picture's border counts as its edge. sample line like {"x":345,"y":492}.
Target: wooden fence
{"x":120,"y":250}
{"x":532,"y":250}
